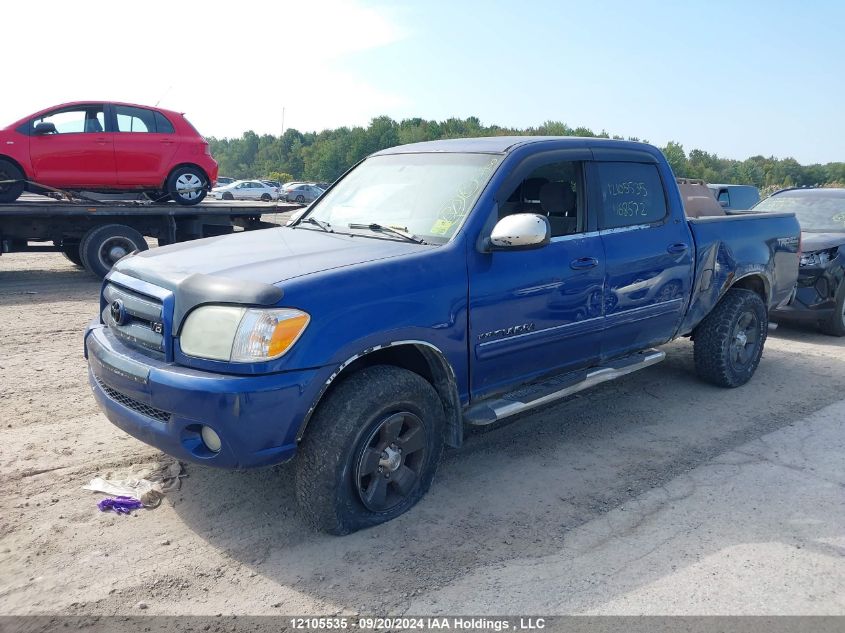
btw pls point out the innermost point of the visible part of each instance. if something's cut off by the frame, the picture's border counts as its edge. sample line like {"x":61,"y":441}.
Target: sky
{"x":735,"y":78}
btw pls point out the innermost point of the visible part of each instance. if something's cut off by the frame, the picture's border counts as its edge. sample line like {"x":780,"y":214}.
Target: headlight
{"x":818,"y":258}
{"x":241,"y":335}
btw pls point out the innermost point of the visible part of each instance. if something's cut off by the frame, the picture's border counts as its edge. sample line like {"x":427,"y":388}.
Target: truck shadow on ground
{"x":21,"y":287}
{"x":518,"y":490}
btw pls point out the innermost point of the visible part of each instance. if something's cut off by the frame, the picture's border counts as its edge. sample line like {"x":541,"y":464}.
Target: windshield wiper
{"x":379,"y":228}
{"x":323,"y":225}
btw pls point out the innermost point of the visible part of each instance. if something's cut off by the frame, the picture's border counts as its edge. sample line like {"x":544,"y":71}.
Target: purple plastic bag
{"x":121,"y":505}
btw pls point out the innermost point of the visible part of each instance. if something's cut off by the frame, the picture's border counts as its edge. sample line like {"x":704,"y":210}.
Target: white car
{"x":246,"y":190}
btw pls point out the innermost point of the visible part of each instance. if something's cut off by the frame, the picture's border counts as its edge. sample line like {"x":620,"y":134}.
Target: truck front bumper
{"x":167,"y":406}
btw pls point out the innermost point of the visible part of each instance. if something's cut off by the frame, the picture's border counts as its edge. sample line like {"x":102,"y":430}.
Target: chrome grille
{"x":142,"y":327}
{"x":131,"y":403}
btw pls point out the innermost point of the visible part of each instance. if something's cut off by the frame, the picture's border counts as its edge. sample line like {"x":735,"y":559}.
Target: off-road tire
{"x":715,"y":339}
{"x":835,"y":324}
{"x":91,"y":249}
{"x":327,"y":483}
{"x":12,"y":191}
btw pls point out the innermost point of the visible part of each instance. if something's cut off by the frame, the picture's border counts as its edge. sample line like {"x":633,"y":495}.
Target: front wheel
{"x":835,"y":324}
{"x":11,"y":181}
{"x":729,"y":341}
{"x":371,"y":450}
{"x":187,"y":185}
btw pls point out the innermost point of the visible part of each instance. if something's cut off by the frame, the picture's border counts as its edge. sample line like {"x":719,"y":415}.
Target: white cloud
{"x":229,"y":66}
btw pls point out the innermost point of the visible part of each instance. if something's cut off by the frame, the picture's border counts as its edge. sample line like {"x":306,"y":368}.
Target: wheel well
{"x":421,"y":359}
{"x":15,"y":163}
{"x":754,"y":283}
{"x":179,"y":166}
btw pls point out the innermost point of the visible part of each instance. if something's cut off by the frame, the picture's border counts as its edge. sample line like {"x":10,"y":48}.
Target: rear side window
{"x":631,"y":194}
{"x":134,"y":119}
{"x":163,"y":126}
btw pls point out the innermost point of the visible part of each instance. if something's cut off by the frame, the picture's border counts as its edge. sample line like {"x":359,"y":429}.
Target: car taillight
{"x":206,"y":149}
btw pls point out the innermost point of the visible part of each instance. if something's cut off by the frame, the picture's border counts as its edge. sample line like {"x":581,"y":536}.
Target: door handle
{"x":679,"y":247}
{"x":583,"y":263}
{"x":102,"y":141}
{"x":166,"y":141}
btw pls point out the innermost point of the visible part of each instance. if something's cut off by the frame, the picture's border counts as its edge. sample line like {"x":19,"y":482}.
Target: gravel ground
{"x":554,"y":496}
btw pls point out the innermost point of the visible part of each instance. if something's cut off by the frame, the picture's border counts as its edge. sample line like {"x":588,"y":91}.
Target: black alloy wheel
{"x":391,"y":461}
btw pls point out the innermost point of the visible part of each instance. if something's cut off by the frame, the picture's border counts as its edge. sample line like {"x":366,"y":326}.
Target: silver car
{"x":303,"y":193}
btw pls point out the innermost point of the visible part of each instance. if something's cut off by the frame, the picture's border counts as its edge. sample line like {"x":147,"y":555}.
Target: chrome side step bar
{"x":557,"y":387}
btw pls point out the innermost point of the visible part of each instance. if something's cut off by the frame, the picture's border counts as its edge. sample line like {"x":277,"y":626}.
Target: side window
{"x":134,"y":119}
{"x":87,"y":119}
{"x":163,"y":126}
{"x":631,"y":194}
{"x":552,"y":190}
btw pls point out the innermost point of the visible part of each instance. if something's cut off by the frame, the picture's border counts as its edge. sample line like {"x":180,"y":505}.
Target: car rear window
{"x":131,"y":119}
{"x":163,"y":126}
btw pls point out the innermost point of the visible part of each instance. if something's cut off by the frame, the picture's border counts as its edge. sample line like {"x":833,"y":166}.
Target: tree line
{"x":324,"y":156}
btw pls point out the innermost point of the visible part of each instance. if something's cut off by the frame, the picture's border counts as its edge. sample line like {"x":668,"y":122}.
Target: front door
{"x":648,"y":255}
{"x":536,"y":312}
{"x":79,"y":153}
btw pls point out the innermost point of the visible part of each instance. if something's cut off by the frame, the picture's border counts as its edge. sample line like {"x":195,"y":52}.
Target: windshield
{"x":428,"y":195}
{"x":817,"y":210}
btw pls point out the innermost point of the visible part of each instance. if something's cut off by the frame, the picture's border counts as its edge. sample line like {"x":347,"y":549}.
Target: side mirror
{"x":45,"y":128}
{"x":521,"y":231}
{"x":723,"y":203}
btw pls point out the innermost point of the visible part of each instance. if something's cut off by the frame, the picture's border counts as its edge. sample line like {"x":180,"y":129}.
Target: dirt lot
{"x":652,"y":494}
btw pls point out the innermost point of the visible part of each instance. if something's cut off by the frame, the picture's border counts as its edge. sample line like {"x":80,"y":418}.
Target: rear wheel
{"x":12,"y":182}
{"x":835,"y":324}
{"x":103,"y":246}
{"x":228,"y":196}
{"x":371,"y":450}
{"x":187,"y":185}
{"x":729,"y":341}
{"x":265,"y":197}
{"x":300,"y":199}
{"x":71,"y":251}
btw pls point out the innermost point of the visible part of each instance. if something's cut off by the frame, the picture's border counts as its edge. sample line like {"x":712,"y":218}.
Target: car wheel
{"x":728,"y":343}
{"x":103,"y":246}
{"x":265,"y":197}
{"x":12,"y":182}
{"x":228,"y":196}
{"x":71,"y":251}
{"x":300,"y":199}
{"x":187,"y":185}
{"x":371,"y":450}
{"x":835,"y":325}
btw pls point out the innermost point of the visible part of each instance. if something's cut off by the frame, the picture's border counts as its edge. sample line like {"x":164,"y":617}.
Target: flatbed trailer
{"x":95,"y":234}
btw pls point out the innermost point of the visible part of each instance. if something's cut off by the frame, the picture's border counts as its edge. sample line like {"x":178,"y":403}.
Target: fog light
{"x":211,"y":439}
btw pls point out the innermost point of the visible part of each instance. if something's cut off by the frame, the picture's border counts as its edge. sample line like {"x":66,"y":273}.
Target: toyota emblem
{"x":118,"y":312}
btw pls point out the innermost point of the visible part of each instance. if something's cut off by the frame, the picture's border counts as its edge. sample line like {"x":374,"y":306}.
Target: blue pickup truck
{"x":434,"y":286}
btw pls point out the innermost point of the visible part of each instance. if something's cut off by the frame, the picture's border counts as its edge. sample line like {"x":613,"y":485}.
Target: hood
{"x":819,"y":241}
{"x":266,"y":256}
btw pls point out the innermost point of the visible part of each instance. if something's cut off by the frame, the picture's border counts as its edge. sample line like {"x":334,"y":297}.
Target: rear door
{"x":536,"y":312}
{"x":143,"y":152}
{"x":647,"y":252}
{"x":80,"y":153}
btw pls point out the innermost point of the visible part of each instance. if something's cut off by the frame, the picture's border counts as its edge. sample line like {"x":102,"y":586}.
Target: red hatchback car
{"x":106,"y":147}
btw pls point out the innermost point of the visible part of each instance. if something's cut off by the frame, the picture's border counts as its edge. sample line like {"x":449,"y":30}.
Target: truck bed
{"x":730,"y":248}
